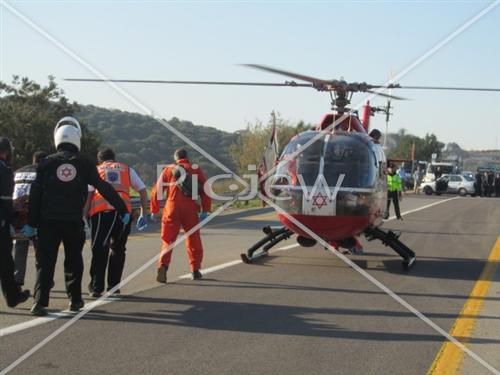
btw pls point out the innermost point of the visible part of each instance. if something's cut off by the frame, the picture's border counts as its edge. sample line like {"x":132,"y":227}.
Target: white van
{"x":446,"y":168}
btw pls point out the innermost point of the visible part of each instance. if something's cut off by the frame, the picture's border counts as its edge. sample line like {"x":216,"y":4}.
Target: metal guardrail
{"x":136,"y":201}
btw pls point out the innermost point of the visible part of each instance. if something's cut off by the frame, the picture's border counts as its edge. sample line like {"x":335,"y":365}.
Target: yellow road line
{"x":450,"y":357}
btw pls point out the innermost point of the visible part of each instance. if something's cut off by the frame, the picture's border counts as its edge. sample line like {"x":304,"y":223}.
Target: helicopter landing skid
{"x":390,"y":238}
{"x":274,"y":235}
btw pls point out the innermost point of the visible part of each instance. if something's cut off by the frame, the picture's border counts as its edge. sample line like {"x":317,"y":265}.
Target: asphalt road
{"x":300,"y":310}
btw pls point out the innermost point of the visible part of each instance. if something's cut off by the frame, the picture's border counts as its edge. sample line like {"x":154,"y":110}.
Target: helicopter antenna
{"x":388,"y":109}
{"x":387,"y":117}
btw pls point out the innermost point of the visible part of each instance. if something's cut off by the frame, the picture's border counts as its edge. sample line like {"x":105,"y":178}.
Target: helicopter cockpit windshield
{"x":305,"y":158}
{"x":349,"y":156}
{"x":312,"y":160}
{"x":303,"y":154}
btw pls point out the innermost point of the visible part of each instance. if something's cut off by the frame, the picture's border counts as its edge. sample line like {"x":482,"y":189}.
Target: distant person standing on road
{"x":402,"y":174}
{"x":417,"y":179}
{"x":497,"y":185}
{"x":491,"y":183}
{"x":438,"y":173}
{"x":486,"y":186}
{"x":478,"y":185}
{"x":394,"y":191}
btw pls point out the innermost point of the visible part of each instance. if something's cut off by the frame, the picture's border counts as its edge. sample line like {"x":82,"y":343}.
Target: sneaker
{"x":93,"y":292}
{"x":22,"y":296}
{"x":161,"y":275}
{"x":117,"y":291}
{"x":38,"y":310}
{"x":75,"y":306}
{"x":196,"y":275}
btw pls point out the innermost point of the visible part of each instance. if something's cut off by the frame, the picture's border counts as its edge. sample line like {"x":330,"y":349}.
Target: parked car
{"x":469,"y":174}
{"x":450,"y":184}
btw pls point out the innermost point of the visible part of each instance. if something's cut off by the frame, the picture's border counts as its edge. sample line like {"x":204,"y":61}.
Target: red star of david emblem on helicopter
{"x":319,"y":200}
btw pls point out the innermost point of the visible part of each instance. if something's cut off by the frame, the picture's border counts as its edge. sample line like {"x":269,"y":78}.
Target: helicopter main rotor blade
{"x":386,"y":95}
{"x":313,"y":80}
{"x":397,"y":86}
{"x":287,"y":83}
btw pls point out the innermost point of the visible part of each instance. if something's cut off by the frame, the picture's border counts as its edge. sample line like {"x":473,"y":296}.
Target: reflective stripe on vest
{"x":118,"y":175}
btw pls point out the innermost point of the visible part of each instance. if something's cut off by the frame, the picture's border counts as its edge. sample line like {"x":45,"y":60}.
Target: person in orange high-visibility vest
{"x":106,"y":230}
{"x":181,"y":209}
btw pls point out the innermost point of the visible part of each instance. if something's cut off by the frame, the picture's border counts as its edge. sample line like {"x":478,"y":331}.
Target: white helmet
{"x":68,"y":130}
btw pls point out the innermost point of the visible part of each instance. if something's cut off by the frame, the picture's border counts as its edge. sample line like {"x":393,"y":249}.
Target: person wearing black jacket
{"x":491,"y":183}
{"x":23,"y":178}
{"x":497,"y":185}
{"x":56,"y":203}
{"x":12,"y":292}
{"x":478,"y":185}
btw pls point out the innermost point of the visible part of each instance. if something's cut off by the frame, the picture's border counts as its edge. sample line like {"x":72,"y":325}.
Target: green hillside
{"x":143,"y":142}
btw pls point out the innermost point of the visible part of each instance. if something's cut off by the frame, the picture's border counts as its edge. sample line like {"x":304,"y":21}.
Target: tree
{"x":29,"y":113}
{"x":142,"y":142}
{"x":250,"y":144}
{"x":424,"y":147}
{"x":430,"y":146}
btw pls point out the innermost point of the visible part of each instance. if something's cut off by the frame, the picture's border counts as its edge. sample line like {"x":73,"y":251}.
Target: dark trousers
{"x":9,"y":288}
{"x":21,"y":248}
{"x":107,"y":232}
{"x":50,"y":236}
{"x":394,"y":196}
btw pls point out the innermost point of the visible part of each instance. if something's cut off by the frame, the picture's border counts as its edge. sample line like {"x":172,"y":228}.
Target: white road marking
{"x":289,"y":246}
{"x":49,"y":318}
{"x":63,"y":314}
{"x":54,"y":316}
{"x":233,"y":263}
{"x":423,"y":207}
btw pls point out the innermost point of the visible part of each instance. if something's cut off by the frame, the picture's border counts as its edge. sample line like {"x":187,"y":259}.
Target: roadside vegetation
{"x":29,"y":112}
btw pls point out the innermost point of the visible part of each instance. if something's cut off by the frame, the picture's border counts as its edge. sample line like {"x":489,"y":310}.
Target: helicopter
{"x":330,"y":180}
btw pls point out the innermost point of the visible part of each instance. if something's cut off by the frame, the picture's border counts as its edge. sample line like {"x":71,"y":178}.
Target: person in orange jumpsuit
{"x":181,"y":209}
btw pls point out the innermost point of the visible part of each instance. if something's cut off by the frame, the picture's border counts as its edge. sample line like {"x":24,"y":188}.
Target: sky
{"x":359,"y":41}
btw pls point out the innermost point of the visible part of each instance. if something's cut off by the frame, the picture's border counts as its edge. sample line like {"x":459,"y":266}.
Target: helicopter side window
{"x":302,"y":158}
{"x":351,"y":157}
{"x":308,"y":162}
